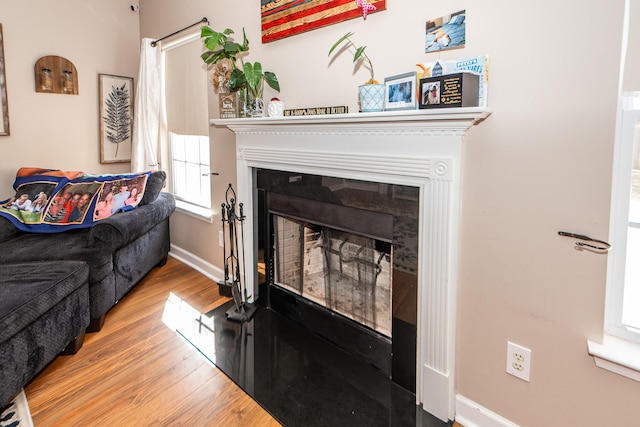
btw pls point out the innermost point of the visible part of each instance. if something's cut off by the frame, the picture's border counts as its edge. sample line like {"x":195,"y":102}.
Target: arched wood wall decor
{"x":55,"y":74}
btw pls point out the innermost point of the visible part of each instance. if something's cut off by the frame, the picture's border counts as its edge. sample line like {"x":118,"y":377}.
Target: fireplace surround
{"x":421,"y":148}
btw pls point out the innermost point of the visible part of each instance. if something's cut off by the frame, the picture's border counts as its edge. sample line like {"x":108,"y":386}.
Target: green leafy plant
{"x":250,"y":75}
{"x":253,"y":77}
{"x":221,"y":46}
{"x":359,"y":54}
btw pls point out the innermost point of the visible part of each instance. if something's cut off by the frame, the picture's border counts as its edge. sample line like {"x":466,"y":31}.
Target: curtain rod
{"x":153,"y":43}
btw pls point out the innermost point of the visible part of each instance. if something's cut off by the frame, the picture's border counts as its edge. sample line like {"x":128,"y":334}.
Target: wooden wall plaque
{"x":55,"y":74}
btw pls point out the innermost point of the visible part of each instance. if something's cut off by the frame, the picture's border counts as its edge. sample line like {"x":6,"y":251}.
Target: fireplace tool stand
{"x":233,"y":265}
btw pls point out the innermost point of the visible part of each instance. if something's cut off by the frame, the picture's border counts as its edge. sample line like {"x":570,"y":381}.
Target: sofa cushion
{"x":69,"y":246}
{"x":118,"y":230}
{"x":155,"y":184}
{"x":7,"y":230}
{"x":29,"y":290}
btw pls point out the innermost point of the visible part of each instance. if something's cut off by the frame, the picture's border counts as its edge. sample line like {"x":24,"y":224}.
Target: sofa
{"x":119,"y":250}
{"x":54,"y":287}
{"x":44,"y":310}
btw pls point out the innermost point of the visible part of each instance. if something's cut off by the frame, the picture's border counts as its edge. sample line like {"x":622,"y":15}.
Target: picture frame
{"x":446,"y":32}
{"x":449,"y":91}
{"x":115,"y":106}
{"x":284,"y":19}
{"x":4,"y":106}
{"x":400,"y":92}
{"x":429,"y":93}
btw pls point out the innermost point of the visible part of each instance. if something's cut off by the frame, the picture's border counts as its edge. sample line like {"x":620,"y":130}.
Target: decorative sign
{"x":284,"y":18}
{"x":316,"y":111}
{"x":449,"y":90}
{"x":228,"y":105}
{"x":475,"y":64}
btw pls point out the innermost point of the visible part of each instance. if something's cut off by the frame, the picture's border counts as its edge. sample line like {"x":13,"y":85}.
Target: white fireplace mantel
{"x":445,"y":120}
{"x":421,"y":148}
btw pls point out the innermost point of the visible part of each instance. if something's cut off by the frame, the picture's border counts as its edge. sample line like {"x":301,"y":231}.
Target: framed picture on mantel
{"x":400,"y":92}
{"x":116,"y":118}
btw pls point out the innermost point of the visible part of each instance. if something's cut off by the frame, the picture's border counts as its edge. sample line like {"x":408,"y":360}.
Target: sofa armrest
{"x":122,"y":228}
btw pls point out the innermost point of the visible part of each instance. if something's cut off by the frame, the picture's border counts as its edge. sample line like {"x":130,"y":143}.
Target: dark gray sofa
{"x":44,"y":310}
{"x":119,"y":250}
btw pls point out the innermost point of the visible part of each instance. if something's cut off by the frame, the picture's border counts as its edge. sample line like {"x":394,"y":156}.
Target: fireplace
{"x":414,"y":148}
{"x":342,"y":261}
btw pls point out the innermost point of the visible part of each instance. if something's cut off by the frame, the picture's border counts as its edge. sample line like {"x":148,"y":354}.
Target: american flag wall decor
{"x":284,"y":18}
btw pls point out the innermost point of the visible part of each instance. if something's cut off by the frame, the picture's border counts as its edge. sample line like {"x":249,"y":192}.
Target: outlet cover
{"x":518,"y":361}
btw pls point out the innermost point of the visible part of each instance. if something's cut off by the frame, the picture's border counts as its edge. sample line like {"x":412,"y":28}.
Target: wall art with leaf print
{"x":116,"y":118}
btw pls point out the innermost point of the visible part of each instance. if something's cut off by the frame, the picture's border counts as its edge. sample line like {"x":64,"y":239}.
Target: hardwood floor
{"x":138,"y":372}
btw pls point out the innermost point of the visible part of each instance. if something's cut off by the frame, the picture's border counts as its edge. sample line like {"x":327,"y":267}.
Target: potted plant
{"x":252,"y":77}
{"x":224,"y":52}
{"x":371,"y":92}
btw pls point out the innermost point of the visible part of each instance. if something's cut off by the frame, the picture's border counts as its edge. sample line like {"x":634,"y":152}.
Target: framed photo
{"x":115,"y":104}
{"x":4,"y":108}
{"x":429,"y":93}
{"x":446,"y":32}
{"x":400,"y":92}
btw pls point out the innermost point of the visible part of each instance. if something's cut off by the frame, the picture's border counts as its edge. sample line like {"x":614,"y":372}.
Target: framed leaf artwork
{"x":284,"y":18}
{"x":116,"y":118}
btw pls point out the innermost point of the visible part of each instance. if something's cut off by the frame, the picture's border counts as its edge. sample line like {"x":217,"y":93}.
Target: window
{"x":190,"y":168}
{"x":619,"y":351}
{"x":186,"y":106}
{"x":623,"y":298}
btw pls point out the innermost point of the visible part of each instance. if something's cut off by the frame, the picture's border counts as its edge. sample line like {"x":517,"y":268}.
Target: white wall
{"x":53,"y":130}
{"x":539,"y":164}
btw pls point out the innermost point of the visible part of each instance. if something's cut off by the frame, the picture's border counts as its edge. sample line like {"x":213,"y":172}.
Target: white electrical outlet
{"x":518,"y":361}
{"x":220,"y":238}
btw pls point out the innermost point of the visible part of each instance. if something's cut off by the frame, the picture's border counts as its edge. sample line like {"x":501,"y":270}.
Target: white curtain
{"x":149,"y":125}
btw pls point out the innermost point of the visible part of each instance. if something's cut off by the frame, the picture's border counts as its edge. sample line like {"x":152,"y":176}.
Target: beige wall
{"x":541,"y":163}
{"x":52,"y":130}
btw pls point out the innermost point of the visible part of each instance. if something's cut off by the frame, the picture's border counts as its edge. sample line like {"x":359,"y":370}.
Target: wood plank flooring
{"x":138,"y":372}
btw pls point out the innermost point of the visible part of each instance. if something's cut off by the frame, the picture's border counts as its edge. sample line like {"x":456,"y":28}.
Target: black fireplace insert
{"x":340,"y":257}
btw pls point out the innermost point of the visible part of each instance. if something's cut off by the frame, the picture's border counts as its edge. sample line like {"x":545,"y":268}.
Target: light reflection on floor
{"x":196,"y":328}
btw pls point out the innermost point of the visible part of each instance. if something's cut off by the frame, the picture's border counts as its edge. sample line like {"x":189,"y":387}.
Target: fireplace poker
{"x":224,"y":246}
{"x":241,"y":218}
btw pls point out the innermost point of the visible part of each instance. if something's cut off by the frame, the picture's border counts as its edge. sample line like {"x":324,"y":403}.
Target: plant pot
{"x":254,"y":106}
{"x":371,"y":97}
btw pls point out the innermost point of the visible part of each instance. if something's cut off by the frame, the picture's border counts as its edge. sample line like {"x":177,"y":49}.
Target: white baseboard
{"x":211,"y":271}
{"x":471,"y":414}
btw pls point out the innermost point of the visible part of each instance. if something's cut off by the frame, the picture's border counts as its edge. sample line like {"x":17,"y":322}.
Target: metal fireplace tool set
{"x":233,"y":246}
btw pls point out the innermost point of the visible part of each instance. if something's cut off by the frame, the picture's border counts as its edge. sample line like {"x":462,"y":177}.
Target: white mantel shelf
{"x":419,"y":148}
{"x":453,"y":119}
